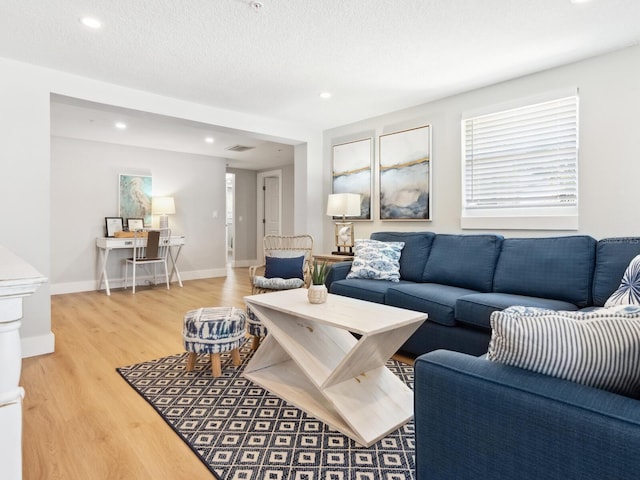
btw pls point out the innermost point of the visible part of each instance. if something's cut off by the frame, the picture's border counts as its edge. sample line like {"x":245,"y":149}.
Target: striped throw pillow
{"x":600,"y":348}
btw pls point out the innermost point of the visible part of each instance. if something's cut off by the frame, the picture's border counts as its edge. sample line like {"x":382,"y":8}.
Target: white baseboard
{"x":39,"y":345}
{"x":245,"y":263}
{"x":90,"y":285}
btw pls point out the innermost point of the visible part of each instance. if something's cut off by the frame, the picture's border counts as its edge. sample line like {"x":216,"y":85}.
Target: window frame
{"x":519,"y":218}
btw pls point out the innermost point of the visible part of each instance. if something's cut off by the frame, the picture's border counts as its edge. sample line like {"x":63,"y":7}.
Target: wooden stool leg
{"x":255,"y":343}
{"x":235,"y":356}
{"x":191,"y":361}
{"x":216,"y":369}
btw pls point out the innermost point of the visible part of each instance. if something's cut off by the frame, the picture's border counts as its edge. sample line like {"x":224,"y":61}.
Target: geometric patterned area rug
{"x":242,"y":432}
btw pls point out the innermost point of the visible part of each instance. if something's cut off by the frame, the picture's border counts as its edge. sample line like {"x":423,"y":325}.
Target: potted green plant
{"x":317,"y":290}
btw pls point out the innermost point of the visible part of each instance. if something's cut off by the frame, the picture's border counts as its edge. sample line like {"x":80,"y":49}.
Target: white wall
{"x":84,"y":190}
{"x":609,"y":169}
{"x":25,"y":157}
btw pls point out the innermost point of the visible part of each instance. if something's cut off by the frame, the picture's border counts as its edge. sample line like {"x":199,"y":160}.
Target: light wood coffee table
{"x":311,"y":360}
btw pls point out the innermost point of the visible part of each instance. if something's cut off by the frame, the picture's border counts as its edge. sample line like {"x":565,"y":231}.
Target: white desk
{"x":106,"y":244}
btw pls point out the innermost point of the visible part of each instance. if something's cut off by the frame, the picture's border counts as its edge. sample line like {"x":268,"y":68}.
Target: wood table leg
{"x":255,"y":343}
{"x":191,"y":361}
{"x":235,"y":357}
{"x":216,"y":369}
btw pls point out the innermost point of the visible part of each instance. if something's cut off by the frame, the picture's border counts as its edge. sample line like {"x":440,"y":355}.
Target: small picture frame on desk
{"x":135,"y":224}
{"x":113,"y":224}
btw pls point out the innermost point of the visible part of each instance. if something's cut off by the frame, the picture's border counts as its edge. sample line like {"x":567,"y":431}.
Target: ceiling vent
{"x":239,"y":148}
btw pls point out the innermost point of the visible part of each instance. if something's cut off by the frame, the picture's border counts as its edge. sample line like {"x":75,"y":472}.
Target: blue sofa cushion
{"x":363,"y":289}
{"x":476,"y":309}
{"x":465,"y":261}
{"x":437,"y":301}
{"x":600,"y":349}
{"x":559,"y":268}
{"x":417,"y":246}
{"x":613,"y":256}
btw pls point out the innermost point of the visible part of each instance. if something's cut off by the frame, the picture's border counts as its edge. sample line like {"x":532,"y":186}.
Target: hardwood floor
{"x":80,"y":418}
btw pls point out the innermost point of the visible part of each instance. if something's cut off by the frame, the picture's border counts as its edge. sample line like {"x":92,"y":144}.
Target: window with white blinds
{"x":522,"y":162}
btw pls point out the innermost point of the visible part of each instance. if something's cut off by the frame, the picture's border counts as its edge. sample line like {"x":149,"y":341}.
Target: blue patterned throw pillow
{"x":628,"y":293}
{"x":376,"y":260}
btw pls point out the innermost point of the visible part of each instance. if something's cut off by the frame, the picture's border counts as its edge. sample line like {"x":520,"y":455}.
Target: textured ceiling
{"x":374,"y":56}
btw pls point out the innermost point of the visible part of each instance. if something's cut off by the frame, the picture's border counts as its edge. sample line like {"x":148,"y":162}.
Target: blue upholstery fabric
{"x":417,"y":246}
{"x":612,"y":259}
{"x":559,"y":268}
{"x":337,"y":271}
{"x":283,"y":267}
{"x":364,"y":289}
{"x":465,"y":261}
{"x":438,"y":301}
{"x":434,"y":336}
{"x":476,"y":309}
{"x":476,"y":419}
{"x":213,"y":329}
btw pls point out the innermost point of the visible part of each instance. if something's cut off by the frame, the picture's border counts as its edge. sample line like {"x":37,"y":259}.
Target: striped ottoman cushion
{"x":213,"y":329}
{"x":254,"y":325}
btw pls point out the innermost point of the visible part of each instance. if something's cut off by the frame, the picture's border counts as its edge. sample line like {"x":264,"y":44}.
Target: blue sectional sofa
{"x":459,"y":280}
{"x":477,"y":419}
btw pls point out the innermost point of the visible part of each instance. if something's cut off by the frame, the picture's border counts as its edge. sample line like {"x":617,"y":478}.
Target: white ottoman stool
{"x":213,"y":330}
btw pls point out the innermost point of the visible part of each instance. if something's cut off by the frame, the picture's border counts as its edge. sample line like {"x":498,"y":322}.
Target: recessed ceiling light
{"x":91,"y":22}
{"x":579,"y":1}
{"x":121,"y":125}
{"x":325,"y":95}
{"x":209,"y":140}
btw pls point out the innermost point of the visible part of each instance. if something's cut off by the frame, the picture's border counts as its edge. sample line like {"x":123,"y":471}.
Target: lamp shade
{"x":163,"y":206}
{"x":343,"y":205}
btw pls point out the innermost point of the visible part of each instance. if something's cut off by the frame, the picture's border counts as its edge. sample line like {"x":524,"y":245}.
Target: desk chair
{"x":153,"y":252}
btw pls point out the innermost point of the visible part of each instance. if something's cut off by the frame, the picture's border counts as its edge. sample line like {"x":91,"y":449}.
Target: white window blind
{"x":522,"y":159}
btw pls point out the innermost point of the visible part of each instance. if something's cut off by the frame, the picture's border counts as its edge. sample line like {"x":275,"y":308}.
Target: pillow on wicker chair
{"x":277,"y":283}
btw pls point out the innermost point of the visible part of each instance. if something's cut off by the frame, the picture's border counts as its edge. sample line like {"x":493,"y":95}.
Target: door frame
{"x":260,"y":208}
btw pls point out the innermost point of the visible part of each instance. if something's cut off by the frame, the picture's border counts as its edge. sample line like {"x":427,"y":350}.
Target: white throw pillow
{"x":628,"y":293}
{"x":376,"y":260}
{"x":600,"y":348}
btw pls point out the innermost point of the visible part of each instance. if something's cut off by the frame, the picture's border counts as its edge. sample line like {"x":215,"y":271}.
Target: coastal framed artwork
{"x":352,"y":172}
{"x":405,"y":174}
{"x":134,"y":199}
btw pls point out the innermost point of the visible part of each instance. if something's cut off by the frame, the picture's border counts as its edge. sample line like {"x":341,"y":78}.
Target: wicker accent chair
{"x":284,"y":246}
{"x":279,"y":246}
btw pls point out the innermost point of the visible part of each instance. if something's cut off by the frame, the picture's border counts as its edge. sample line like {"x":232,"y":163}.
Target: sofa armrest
{"x":479,"y":419}
{"x":339,"y":271}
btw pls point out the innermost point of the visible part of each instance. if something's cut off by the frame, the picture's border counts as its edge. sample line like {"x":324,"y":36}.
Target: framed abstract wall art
{"x":352,"y":172}
{"x":135,"y":197}
{"x":405,"y":174}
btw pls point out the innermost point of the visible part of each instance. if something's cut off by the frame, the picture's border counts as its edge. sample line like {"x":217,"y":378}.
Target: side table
{"x":330,"y":259}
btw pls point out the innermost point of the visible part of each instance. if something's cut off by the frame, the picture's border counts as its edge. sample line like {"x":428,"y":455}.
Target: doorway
{"x":269,"y":206}
{"x":230,"y":229}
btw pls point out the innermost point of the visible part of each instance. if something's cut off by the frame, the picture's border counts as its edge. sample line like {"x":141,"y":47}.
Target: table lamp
{"x":344,"y":205}
{"x":163,"y":206}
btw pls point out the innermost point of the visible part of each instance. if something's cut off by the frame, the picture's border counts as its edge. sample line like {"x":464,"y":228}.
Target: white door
{"x":271,"y":206}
